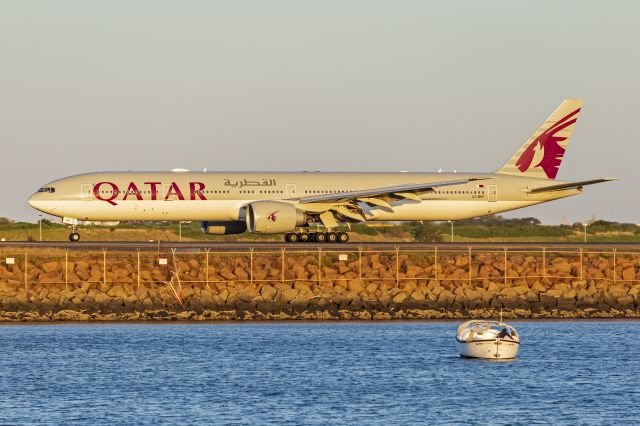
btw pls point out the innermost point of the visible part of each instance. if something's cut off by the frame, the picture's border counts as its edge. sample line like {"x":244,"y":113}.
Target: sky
{"x":317,"y":85}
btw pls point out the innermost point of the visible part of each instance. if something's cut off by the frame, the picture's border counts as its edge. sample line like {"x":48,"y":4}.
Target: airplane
{"x":289,"y":202}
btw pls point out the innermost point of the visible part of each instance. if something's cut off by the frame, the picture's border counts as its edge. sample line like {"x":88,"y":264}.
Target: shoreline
{"x":306,"y":316}
{"x":312,"y":322}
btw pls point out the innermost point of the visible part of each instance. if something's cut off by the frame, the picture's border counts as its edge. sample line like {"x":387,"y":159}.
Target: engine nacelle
{"x":273,"y":217}
{"x":223,"y":227}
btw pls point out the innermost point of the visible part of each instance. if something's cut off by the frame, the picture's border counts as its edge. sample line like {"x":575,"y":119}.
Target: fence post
{"x":319,"y":265}
{"x":26,"y":277}
{"x":66,"y":269}
{"x":544,"y":263}
{"x":397,"y":266}
{"x":469,"y":273}
{"x":206,"y":267}
{"x":104,"y":266}
{"x":505,"y":266}
{"x":175,"y":271}
{"x":614,"y":265}
{"x":581,"y":265}
{"x":251,"y":265}
{"x":282,"y":270}
{"x":435,"y":263}
{"x":360,"y":262}
{"x":138,"y":269}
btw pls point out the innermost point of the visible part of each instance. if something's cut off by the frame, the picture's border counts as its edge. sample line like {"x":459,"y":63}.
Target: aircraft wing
{"x":399,"y":191}
{"x":344,"y":205}
{"x":568,"y":185}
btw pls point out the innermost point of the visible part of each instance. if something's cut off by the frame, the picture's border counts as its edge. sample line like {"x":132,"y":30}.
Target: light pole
{"x":585,"y":232}
{"x":40,"y":226}
{"x":451,"y":222}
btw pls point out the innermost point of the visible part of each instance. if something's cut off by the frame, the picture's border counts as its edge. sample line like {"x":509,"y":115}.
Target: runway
{"x":220,"y":246}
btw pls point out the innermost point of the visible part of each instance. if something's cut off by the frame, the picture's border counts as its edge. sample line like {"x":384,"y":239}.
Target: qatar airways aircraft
{"x":277,"y":202}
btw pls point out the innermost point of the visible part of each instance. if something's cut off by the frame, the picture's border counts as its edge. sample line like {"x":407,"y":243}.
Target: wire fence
{"x":320,"y":266}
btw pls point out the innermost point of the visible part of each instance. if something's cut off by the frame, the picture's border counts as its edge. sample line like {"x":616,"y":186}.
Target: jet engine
{"x":223,"y":227}
{"x":273,"y":217}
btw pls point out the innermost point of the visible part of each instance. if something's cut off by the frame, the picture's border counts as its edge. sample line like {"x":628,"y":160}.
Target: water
{"x":315,"y":373}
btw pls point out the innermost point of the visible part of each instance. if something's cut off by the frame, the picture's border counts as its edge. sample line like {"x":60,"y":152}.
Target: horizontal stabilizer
{"x":568,"y":185}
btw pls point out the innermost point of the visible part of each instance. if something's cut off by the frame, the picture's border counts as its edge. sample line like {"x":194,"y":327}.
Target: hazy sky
{"x":323,"y":85}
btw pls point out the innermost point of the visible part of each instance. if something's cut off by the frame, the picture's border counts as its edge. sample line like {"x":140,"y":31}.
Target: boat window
{"x":48,"y":189}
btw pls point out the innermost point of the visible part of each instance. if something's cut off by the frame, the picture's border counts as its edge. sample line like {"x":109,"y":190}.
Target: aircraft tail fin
{"x":542,"y":154}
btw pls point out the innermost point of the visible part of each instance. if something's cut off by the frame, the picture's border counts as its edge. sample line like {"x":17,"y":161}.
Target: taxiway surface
{"x":218,"y":246}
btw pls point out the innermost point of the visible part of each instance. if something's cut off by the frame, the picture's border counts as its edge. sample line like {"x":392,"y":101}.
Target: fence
{"x":319,"y":266}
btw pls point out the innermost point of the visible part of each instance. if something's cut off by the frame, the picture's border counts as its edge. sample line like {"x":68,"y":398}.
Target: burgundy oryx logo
{"x":272,"y":217}
{"x":549,"y":143}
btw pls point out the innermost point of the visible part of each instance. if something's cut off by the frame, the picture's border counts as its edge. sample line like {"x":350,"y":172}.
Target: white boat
{"x":487,"y":339}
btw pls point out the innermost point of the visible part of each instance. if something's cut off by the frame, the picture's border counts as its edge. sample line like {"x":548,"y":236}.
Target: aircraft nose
{"x":35,"y":201}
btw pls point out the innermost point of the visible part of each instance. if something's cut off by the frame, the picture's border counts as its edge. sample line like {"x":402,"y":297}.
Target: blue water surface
{"x":315,"y":373}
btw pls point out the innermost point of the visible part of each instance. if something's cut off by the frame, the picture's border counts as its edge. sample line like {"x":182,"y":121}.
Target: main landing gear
{"x":316,"y":237}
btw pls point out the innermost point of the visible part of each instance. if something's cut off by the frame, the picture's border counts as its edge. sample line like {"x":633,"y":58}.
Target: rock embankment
{"x":293,"y":285}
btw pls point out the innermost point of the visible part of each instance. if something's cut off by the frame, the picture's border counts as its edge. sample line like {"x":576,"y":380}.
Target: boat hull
{"x":489,"y":349}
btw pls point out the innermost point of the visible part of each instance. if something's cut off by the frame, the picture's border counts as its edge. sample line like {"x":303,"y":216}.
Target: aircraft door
{"x":492,"y":191}
{"x":86,"y":192}
{"x":291,"y":190}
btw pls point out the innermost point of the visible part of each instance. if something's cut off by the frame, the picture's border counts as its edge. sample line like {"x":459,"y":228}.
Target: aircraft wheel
{"x":332,"y":237}
{"x":304,"y":237}
{"x":74,"y":237}
{"x":343,"y":237}
{"x":291,"y":237}
{"x":321,"y":237}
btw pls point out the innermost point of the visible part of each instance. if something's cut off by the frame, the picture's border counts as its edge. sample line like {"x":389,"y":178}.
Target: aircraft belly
{"x":445,"y":209}
{"x":149,"y":210}
{"x":230,"y":210}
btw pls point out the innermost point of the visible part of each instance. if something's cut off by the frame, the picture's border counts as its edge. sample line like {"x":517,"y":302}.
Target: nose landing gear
{"x":74,"y":237}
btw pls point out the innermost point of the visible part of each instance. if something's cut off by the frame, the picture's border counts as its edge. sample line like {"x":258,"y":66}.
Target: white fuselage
{"x":222,"y":196}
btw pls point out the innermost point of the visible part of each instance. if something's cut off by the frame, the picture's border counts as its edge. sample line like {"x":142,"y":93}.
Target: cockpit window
{"x":48,"y":189}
